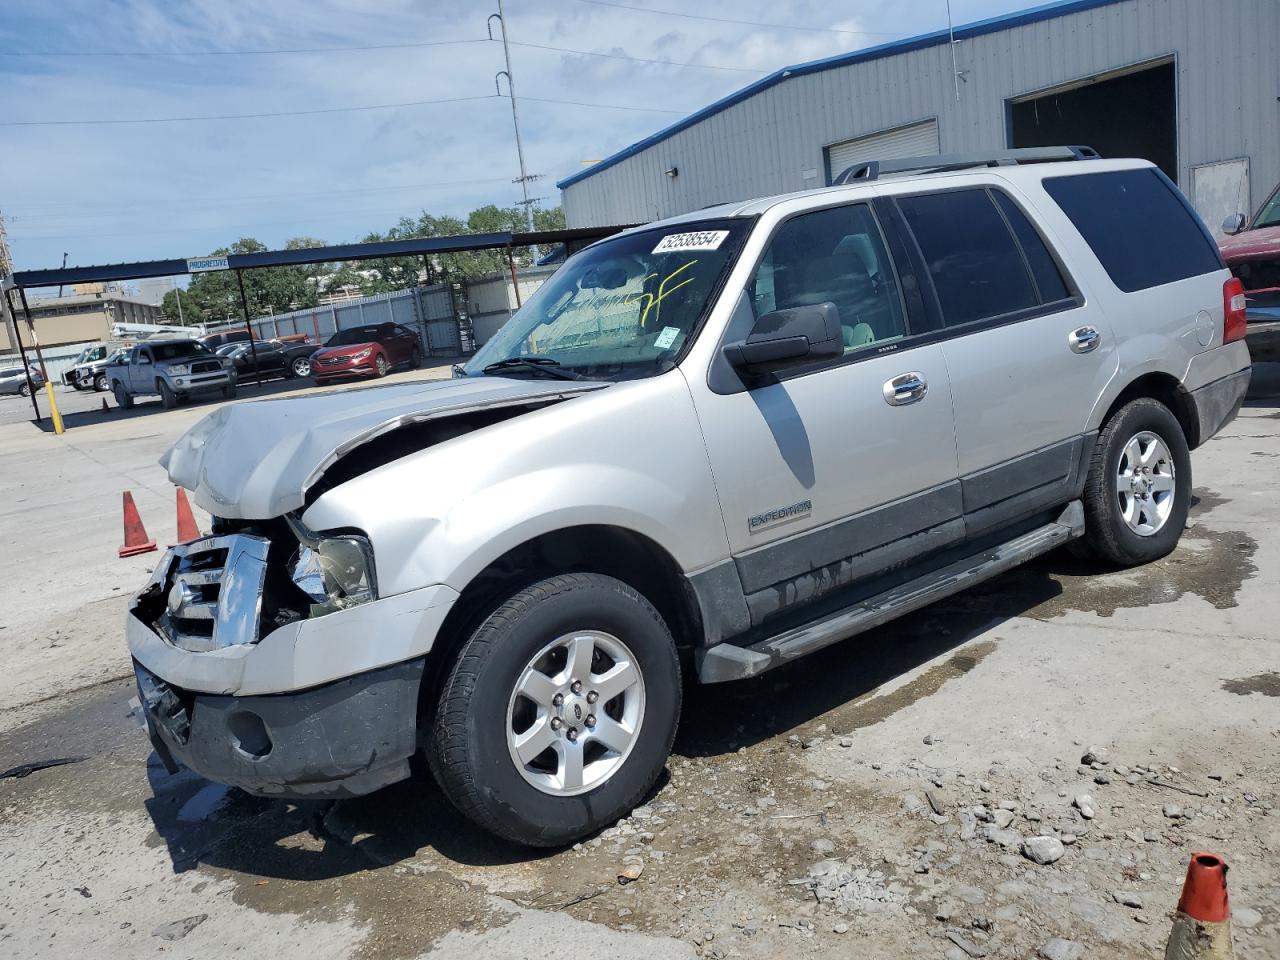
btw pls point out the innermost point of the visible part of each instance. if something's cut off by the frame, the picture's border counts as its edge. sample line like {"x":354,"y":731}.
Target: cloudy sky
{"x":586,"y":83}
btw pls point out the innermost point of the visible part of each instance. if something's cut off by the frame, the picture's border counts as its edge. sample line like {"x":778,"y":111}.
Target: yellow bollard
{"x":53,"y":409}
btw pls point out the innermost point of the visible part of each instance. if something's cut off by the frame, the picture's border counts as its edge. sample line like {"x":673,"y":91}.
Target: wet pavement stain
{"x":1210,"y":564}
{"x":1267,"y":684}
{"x":875,"y":708}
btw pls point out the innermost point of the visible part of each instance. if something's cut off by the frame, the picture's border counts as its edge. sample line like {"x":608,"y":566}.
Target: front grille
{"x":206,"y":366}
{"x":331,"y":361}
{"x":212,"y":591}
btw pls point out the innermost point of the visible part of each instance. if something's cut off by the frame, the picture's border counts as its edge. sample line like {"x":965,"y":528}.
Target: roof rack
{"x":937,"y":163}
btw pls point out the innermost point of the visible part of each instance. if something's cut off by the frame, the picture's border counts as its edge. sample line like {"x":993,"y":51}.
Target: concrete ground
{"x":870,"y":801}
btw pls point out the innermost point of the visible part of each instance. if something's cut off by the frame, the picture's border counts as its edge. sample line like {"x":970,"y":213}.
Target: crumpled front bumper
{"x":343,"y":739}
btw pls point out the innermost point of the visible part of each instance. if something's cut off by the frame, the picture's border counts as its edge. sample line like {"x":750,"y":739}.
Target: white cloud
{"x":111,"y":193}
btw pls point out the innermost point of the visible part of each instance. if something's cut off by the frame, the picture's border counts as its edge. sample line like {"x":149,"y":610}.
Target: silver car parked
{"x":13,"y":380}
{"x":706,"y":446}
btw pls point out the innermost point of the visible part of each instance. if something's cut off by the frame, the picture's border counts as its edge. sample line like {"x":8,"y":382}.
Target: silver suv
{"x":705,"y":447}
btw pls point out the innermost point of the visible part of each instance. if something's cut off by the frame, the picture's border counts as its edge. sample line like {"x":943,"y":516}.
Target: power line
{"x":242,"y":116}
{"x":746,"y":23}
{"x":81,"y":205}
{"x":602,"y":106}
{"x":326,"y":110}
{"x":623,"y":56}
{"x":239,"y":53}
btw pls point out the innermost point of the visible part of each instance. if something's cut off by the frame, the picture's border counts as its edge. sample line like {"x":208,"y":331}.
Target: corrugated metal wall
{"x":1228,"y":77}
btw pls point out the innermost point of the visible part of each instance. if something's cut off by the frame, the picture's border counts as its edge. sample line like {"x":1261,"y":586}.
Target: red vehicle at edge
{"x":368,"y":351}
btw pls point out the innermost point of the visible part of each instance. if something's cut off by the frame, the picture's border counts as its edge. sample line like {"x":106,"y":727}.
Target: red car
{"x":368,"y":351}
{"x":1252,"y":251}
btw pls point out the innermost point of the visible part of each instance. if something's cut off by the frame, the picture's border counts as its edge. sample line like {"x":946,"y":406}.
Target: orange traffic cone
{"x":1202,"y":925}
{"x":135,"y":534}
{"x":187,"y":529}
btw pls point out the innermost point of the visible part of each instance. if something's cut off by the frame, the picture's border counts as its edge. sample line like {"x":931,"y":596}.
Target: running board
{"x":725,"y":661}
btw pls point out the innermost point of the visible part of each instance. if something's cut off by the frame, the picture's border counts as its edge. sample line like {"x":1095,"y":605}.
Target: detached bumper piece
{"x":343,"y":739}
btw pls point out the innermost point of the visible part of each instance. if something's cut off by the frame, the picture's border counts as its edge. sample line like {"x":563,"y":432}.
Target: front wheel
{"x":123,"y":400}
{"x":168,"y":399}
{"x":100,"y":383}
{"x":559,"y":713}
{"x":380,"y":364}
{"x":1138,"y":491}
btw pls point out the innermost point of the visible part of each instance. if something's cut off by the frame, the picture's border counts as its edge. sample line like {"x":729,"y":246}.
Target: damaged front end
{"x":215,"y":600}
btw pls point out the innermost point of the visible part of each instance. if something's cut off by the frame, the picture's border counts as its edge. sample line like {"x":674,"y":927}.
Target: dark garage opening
{"x":1132,"y":115}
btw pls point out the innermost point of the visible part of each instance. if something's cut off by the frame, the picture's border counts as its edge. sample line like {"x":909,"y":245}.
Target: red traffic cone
{"x":135,"y":534}
{"x":1202,"y":925}
{"x":187,"y":529}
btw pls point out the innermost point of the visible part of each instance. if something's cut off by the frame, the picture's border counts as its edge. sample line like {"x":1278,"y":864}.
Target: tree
{"x":267,"y":290}
{"x":189,"y":313}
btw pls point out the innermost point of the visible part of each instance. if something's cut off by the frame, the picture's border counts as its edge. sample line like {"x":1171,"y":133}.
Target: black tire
{"x":380,"y":365}
{"x":415,"y":359}
{"x":100,"y":383}
{"x":123,"y":399}
{"x":229,"y":391}
{"x":168,"y":399}
{"x":468,"y":750}
{"x":78,"y":386}
{"x":1107,"y":535}
{"x":24,"y":390}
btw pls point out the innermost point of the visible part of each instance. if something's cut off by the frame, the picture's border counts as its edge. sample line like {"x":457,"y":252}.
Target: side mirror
{"x":787,"y":337}
{"x":1234,"y":224}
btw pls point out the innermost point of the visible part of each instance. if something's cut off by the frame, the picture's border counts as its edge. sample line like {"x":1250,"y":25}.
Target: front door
{"x":835,"y":471}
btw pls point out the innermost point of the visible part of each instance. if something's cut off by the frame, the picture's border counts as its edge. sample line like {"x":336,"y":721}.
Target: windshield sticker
{"x":701,"y":240}
{"x":667,"y":337}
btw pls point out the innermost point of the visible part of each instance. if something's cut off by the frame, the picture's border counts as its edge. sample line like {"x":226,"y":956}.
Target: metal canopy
{"x":414,"y":246}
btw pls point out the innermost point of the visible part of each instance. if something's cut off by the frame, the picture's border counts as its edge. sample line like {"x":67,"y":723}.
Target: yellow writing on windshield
{"x":655,"y":300}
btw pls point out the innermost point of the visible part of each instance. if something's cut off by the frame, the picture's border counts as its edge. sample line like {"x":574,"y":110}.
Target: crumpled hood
{"x":1263,"y":243}
{"x":256,"y":460}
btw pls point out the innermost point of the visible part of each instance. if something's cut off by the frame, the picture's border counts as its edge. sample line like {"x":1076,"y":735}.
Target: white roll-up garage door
{"x":916,"y":140}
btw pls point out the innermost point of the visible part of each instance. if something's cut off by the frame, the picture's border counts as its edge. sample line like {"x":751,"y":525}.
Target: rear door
{"x":1028,"y":354}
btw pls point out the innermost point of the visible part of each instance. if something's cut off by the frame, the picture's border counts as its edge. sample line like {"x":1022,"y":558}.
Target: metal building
{"x":1192,"y":85}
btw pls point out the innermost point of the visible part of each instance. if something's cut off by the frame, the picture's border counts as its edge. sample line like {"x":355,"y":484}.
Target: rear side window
{"x":1044,"y":269}
{"x":977,"y":269}
{"x":1140,"y":228}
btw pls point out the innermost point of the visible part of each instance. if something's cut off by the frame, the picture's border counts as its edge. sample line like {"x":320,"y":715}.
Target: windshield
{"x":183,"y":348}
{"x":625,"y":307}
{"x":345,"y":338}
{"x":1269,"y":215}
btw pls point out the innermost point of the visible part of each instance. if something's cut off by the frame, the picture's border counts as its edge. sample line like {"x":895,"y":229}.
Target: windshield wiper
{"x":540,"y":364}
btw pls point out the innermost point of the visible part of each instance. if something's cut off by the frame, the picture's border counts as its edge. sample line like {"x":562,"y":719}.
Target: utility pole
{"x":6,"y":258}
{"x":525,"y":178}
{"x":64,"y":266}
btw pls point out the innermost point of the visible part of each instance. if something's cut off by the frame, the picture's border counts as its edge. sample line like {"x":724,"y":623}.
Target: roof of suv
{"x":1029,"y":171}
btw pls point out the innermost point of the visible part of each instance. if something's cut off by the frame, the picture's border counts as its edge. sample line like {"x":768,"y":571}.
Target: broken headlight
{"x":335,"y":572}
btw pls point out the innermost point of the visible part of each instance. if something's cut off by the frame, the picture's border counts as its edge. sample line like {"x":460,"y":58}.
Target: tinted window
{"x":1138,"y":226}
{"x":1044,"y":269}
{"x":174,"y":351}
{"x":833,"y":256}
{"x":353,"y":335}
{"x":975,"y":264}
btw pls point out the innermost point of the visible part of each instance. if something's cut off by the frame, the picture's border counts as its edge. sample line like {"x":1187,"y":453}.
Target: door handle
{"x":905,"y":388}
{"x":1084,"y":339}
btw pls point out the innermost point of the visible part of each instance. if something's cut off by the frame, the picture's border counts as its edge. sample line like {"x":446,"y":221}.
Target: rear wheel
{"x":123,"y":400}
{"x":301,"y":366}
{"x":559,"y":713}
{"x":24,"y":390}
{"x":1138,"y":491}
{"x":415,"y":359}
{"x":168,"y":399}
{"x":229,"y":391}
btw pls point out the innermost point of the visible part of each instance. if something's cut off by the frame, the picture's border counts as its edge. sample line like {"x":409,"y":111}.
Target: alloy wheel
{"x":575,"y":713}
{"x":1145,"y":486}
